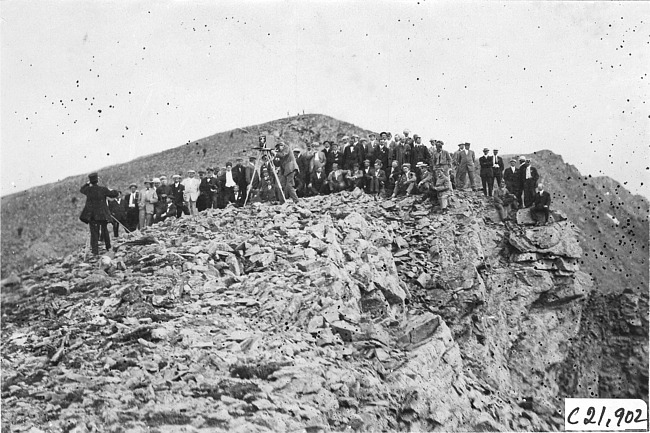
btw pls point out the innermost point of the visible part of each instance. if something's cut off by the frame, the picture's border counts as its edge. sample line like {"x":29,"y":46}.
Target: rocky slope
{"x":43,"y":222}
{"x":344,"y":314}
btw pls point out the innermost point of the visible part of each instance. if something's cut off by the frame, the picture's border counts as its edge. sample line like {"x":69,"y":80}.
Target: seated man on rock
{"x":541,"y":205}
{"x":355,"y":177}
{"x":427,"y":182}
{"x":337,"y":179}
{"x":443,"y":189}
{"x":377,"y":180}
{"x":406,"y":182}
{"x":504,"y":201}
{"x":167,"y":210}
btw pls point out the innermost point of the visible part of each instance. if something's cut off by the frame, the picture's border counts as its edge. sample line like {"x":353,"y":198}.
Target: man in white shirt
{"x":191,"y":193}
{"x":228,"y":185}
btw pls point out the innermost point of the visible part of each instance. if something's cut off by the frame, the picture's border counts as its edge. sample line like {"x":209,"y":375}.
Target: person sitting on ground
{"x":267,"y":190}
{"x":337,"y":179}
{"x":393,"y":176}
{"x":168,"y":209}
{"x":541,"y":205}
{"x":406,"y":182}
{"x":317,"y":182}
{"x":378,"y":180}
{"x":443,"y":190}
{"x":355,"y":177}
{"x":427,"y":182}
{"x":504,"y":201}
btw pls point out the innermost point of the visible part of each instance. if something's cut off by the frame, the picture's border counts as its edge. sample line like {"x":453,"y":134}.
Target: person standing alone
{"x":95,"y":212}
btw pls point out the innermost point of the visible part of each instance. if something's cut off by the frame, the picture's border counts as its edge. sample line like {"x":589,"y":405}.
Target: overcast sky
{"x":88,"y":84}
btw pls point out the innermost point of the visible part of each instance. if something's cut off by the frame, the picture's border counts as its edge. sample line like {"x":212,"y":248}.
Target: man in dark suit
{"x":528,"y":178}
{"x":333,"y":157}
{"x":511,"y":179}
{"x":487,"y":177}
{"x":239,"y":174}
{"x":541,"y":205}
{"x":132,"y":207}
{"x":118,"y":212}
{"x":178,"y":191}
{"x":497,"y":167}
{"x":382,"y":151}
{"x":317,"y":183}
{"x":95,"y":213}
{"x":208,"y":189}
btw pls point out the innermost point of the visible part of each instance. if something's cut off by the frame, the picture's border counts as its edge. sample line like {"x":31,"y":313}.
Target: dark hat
{"x":209,"y":169}
{"x":378,"y":161}
{"x":201,"y":172}
{"x":229,"y":164}
{"x":148,"y":182}
{"x":485,"y":149}
{"x":415,"y":136}
{"x":251,"y":158}
{"x":440,"y":142}
{"x":93,"y":177}
{"x":461,"y":144}
{"x":356,"y":164}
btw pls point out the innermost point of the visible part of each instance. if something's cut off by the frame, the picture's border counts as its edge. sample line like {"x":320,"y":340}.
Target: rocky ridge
{"x":342,"y":314}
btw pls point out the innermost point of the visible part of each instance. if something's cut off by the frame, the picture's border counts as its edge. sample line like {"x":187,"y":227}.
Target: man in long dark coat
{"x":95,"y":213}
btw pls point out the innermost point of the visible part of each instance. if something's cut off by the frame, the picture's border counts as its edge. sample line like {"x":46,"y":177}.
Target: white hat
{"x":155,"y":179}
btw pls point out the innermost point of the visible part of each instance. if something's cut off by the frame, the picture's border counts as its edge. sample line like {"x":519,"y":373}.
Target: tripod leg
{"x":284,"y":199}
{"x":250,"y":185}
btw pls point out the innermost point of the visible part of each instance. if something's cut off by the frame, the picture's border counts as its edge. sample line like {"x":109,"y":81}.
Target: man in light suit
{"x":287,"y":172}
{"x":465,"y":161}
{"x":191,"y":184}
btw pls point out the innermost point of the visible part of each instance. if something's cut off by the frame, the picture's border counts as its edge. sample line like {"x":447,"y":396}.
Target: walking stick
{"x":127,"y":230}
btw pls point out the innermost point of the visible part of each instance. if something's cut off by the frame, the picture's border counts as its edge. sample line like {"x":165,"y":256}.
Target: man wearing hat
{"x":427,"y":180}
{"x":132,"y":207}
{"x":118,"y":212}
{"x":368,"y":173}
{"x":164,"y":187}
{"x":208,"y":189}
{"x":148,"y":199}
{"x":178,"y":192}
{"x":487,"y":177}
{"x":367,"y":150}
{"x":352,"y":154}
{"x":382,"y":152}
{"x":333,"y":157}
{"x":319,"y":158}
{"x":378,"y":180}
{"x":95,"y":212}
{"x":497,"y":167}
{"x":317,"y":182}
{"x":440,"y":158}
{"x":396,"y":150}
{"x":191,"y":193}
{"x":406,"y":182}
{"x":421,"y":151}
{"x":287,"y":170}
{"x":168,"y":210}
{"x":302,"y":167}
{"x":228,"y":184}
{"x":443,"y":190}
{"x":511,"y":178}
{"x":528,"y":178}
{"x":355,"y":177}
{"x":465,"y":161}
{"x":239,"y":174}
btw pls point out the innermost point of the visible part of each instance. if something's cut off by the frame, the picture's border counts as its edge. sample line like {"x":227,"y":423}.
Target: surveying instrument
{"x":264,"y":151}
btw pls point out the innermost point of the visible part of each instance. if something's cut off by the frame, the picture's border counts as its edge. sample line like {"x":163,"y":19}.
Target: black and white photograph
{"x":324,"y":216}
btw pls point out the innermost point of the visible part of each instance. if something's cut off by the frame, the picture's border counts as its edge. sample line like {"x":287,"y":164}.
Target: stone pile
{"x":341,"y":314}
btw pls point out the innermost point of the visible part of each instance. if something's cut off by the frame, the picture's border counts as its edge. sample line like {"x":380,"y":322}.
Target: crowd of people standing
{"x":380,"y":165}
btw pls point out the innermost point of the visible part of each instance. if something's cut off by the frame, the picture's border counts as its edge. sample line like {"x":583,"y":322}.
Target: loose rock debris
{"x":339,"y":314}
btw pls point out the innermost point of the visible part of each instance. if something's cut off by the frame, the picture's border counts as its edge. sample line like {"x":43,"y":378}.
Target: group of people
{"x":382,"y":166}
